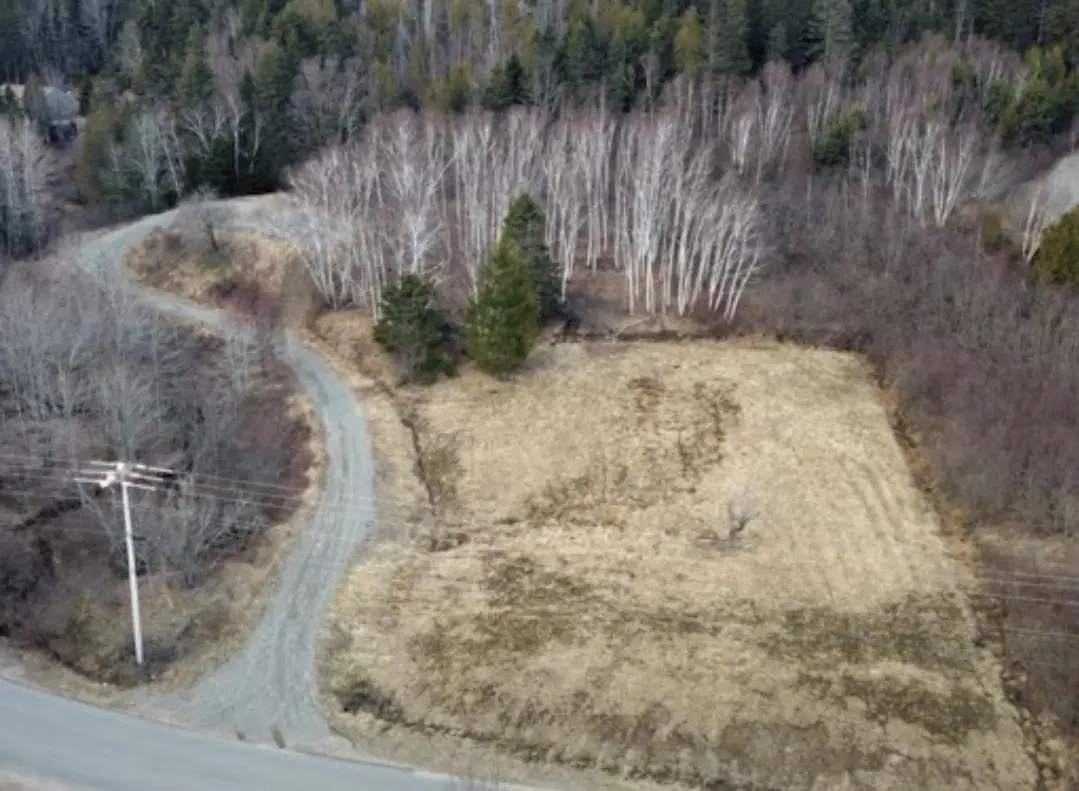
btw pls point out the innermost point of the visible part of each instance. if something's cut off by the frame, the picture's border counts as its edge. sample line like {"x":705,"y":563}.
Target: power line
{"x":106,"y":475}
{"x":347,"y":508}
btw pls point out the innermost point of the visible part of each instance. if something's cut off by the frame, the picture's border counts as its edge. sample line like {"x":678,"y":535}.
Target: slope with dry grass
{"x":592,"y":608}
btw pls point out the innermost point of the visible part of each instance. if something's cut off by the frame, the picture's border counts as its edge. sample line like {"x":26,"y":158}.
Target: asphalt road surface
{"x":272,"y":680}
{"x":81,"y":747}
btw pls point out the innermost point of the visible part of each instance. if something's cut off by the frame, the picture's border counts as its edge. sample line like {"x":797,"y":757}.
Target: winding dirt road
{"x":272,"y":681}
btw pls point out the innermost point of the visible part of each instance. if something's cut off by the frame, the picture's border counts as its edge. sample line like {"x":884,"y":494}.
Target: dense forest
{"x":225,"y":93}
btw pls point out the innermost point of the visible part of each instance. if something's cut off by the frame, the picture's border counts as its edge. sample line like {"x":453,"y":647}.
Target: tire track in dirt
{"x":271,"y":683}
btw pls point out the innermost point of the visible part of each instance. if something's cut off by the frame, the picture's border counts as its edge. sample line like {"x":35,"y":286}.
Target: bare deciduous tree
{"x":23,"y":181}
{"x":326,"y":100}
{"x":743,"y":507}
{"x":567,"y":190}
{"x":1036,"y":222}
{"x":153,"y":155}
{"x":472,"y":138}
{"x":414,"y":161}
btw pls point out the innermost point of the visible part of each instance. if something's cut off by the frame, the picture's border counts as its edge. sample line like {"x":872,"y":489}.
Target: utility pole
{"x":128,"y":475}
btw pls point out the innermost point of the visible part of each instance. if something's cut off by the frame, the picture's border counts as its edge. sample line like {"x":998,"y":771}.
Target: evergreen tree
{"x":414,"y":330}
{"x":196,"y":78}
{"x":1058,"y":253}
{"x":831,"y":30}
{"x":503,"y":320}
{"x":580,"y":57}
{"x":526,"y":226}
{"x":507,"y":86}
{"x":728,"y":36}
{"x":689,"y":44}
{"x":1063,"y":30}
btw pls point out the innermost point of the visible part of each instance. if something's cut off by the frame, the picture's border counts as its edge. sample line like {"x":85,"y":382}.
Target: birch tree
{"x":24,"y":173}
{"x":154,"y":155}
{"x":329,"y":198}
{"x":567,"y":192}
{"x":954,"y":154}
{"x":591,"y":157}
{"x":326,"y":100}
{"x":414,"y":164}
{"x":646,"y":158}
{"x":472,"y":139}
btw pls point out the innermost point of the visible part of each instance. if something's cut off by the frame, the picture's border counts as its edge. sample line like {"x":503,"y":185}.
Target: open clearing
{"x":581,"y":604}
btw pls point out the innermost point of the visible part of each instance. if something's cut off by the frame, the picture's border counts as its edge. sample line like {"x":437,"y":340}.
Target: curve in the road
{"x":272,"y":683}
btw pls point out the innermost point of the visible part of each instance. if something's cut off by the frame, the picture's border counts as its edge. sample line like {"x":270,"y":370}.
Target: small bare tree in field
{"x":743,"y":508}
{"x":197,"y":215}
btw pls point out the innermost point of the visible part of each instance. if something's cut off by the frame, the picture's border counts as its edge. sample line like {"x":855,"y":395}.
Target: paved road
{"x":272,"y":680}
{"x":82,"y":747}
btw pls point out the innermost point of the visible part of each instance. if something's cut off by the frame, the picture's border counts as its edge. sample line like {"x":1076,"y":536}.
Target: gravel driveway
{"x":272,"y":680}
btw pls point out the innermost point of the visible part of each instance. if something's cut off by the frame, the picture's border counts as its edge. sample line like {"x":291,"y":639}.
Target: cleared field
{"x":585,"y":603}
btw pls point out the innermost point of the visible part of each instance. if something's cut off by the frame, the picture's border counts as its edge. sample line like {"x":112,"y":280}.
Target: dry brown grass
{"x":594,"y":612}
{"x":183,"y":264}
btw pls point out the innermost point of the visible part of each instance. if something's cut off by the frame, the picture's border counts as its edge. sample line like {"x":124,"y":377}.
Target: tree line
{"x":226,"y":94}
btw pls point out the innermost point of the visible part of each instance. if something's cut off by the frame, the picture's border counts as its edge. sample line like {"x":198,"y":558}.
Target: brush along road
{"x":271,"y":682}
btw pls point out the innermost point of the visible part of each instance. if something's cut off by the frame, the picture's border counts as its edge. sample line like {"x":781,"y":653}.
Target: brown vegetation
{"x":91,"y":375}
{"x":251,"y":275}
{"x":603,"y":596}
{"x":983,"y":367}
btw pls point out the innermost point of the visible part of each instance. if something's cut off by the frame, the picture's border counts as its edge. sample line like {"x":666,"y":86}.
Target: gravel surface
{"x":272,"y":681}
{"x":1062,"y":186}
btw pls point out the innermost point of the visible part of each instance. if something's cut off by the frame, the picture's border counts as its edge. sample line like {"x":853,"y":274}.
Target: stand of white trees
{"x":672,"y":197}
{"x":426,"y":194}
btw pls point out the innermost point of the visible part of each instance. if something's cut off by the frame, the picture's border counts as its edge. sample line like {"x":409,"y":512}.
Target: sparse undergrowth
{"x":827,"y":638}
{"x":105,"y":378}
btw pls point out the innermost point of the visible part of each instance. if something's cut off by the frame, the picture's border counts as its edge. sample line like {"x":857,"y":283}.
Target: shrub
{"x":1057,"y":260}
{"x":525,"y":225}
{"x":993,"y":235}
{"x":414,"y":330}
{"x":833,"y":149}
{"x":503,"y":320}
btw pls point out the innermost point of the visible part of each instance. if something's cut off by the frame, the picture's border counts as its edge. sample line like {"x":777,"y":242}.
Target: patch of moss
{"x":923,"y":631}
{"x":950,"y":716}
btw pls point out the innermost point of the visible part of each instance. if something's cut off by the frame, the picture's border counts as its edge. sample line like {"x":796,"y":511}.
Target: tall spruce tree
{"x":502,"y":322}
{"x":526,"y":226}
{"x":414,"y":330}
